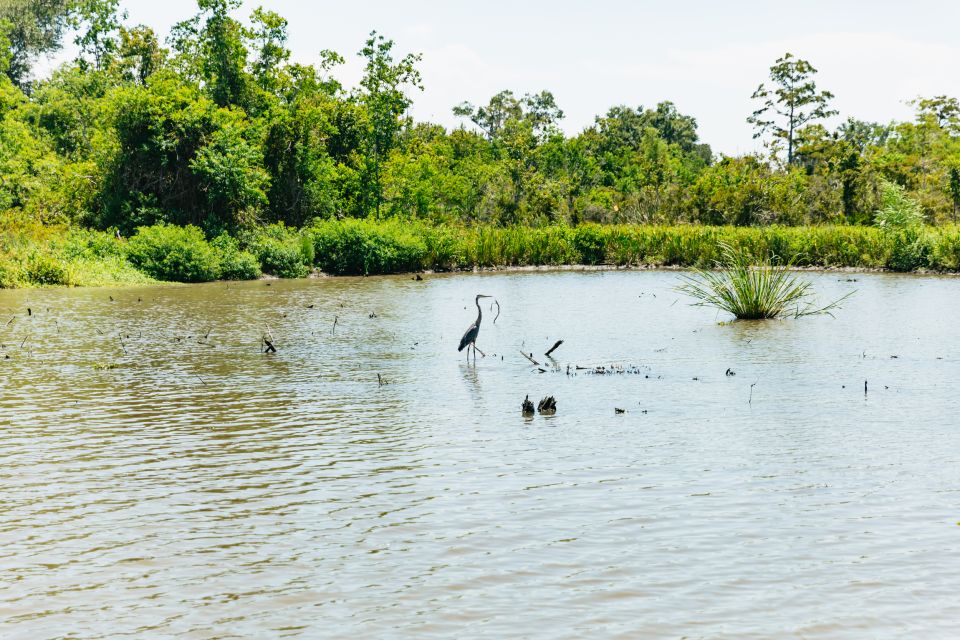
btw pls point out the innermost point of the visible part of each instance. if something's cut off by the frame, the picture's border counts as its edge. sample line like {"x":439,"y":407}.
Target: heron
{"x":469,"y":338}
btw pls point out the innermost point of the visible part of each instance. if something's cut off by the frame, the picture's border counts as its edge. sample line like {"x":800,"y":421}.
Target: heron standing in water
{"x":469,"y":338}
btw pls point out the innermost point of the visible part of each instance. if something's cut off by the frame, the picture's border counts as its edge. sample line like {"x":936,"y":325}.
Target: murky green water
{"x":202,"y":489}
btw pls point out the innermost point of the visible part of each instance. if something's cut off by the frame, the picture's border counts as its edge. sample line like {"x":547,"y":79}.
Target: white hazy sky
{"x":707,"y":57}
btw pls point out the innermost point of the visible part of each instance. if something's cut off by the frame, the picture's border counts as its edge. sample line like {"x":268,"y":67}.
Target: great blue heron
{"x":469,"y":338}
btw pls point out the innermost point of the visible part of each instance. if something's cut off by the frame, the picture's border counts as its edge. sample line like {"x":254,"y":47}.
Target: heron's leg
{"x":475,"y":352}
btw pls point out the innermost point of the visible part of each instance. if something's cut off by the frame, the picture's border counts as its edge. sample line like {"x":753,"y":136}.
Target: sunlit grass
{"x":754,"y":291}
{"x":32,"y":254}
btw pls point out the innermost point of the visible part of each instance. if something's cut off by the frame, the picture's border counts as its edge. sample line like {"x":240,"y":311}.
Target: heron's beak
{"x":483,"y":296}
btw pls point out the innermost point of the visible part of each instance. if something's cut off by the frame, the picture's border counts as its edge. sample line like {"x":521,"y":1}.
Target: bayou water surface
{"x":162,"y":477}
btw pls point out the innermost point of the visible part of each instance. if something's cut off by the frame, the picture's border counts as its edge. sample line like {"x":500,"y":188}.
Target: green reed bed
{"x":36,"y":255}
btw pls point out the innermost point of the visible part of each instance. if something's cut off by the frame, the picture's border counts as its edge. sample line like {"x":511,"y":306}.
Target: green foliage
{"x":792,"y":104}
{"x":179,"y":254}
{"x":901,"y":219}
{"x":589,"y":243}
{"x":911,"y":250}
{"x":363,"y":247}
{"x":234,"y":264}
{"x":32,"y":254}
{"x":280,"y":251}
{"x":751,"y":291}
{"x":228,"y":167}
{"x":224,"y":133}
{"x":898,"y":211}
{"x":181,"y":159}
{"x":97,"y":23}
{"x":31,"y":28}
{"x":43,"y":269}
{"x":383,"y":85}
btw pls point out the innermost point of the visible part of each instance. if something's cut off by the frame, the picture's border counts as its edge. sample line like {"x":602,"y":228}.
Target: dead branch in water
{"x":553,"y":348}
{"x":530,"y":358}
{"x":267,"y":342}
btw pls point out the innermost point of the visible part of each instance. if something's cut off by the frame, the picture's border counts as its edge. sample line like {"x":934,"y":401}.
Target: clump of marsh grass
{"x":754,"y":291}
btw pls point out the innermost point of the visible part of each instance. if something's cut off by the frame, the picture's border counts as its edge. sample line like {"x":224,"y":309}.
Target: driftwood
{"x":553,"y":348}
{"x":530,"y":358}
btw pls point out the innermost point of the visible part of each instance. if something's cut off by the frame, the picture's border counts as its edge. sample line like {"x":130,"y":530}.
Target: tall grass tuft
{"x":754,"y":291}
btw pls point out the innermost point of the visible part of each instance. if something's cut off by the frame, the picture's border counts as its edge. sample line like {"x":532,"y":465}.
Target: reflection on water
{"x":163,"y":477}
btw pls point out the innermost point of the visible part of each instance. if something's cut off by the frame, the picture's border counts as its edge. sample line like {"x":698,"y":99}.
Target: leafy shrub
{"x":179,"y":254}
{"x":590,"y":242}
{"x":901,"y":220}
{"x":911,"y":249}
{"x":234,"y":263}
{"x":9,"y":274}
{"x":280,"y":250}
{"x":360,"y":247}
{"x":279,"y":258}
{"x":897,"y":210}
{"x":46,"y":270}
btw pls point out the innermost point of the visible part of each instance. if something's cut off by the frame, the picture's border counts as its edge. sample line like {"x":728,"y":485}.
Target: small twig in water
{"x":334,"y":330}
{"x":750,"y":401}
{"x":268,"y":342}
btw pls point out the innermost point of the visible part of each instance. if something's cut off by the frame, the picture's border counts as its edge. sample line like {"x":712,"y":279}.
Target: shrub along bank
{"x":36,"y":255}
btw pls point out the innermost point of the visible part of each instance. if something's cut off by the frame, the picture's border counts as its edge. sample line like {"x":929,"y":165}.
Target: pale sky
{"x":707,"y":57}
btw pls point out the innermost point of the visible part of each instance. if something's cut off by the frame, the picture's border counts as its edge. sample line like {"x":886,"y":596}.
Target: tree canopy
{"x":218,"y":128}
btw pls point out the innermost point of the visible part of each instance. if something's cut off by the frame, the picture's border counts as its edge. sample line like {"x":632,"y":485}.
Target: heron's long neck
{"x":479,"y":312}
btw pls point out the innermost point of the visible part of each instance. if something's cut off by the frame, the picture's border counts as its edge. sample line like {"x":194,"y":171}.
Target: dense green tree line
{"x":217,"y":128}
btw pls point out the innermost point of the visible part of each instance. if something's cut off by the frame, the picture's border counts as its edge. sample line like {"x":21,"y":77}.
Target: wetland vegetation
{"x":213,"y":156}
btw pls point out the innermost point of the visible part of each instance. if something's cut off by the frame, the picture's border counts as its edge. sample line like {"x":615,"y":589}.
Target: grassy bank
{"x":37,"y":255}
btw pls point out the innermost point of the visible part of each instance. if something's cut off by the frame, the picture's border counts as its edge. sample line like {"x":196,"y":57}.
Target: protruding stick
{"x":553,"y":348}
